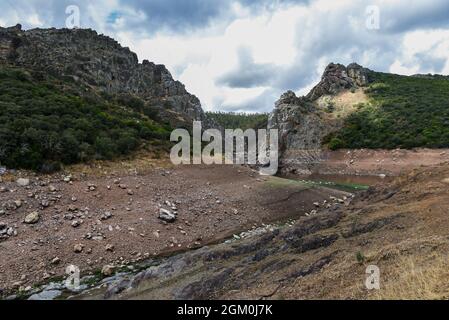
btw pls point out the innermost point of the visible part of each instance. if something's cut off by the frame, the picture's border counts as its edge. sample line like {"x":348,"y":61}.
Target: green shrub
{"x":44,"y":125}
{"x":403,"y":112}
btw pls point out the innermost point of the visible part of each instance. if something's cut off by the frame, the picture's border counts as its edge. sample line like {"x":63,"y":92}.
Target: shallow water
{"x":345,"y":179}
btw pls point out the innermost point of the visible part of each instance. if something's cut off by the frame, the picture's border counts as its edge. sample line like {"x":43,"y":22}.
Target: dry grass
{"x":344,"y":103}
{"x":413,"y":280}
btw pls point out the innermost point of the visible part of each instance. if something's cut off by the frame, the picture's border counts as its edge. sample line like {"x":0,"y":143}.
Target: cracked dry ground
{"x":403,"y":228}
{"x":113,"y":219}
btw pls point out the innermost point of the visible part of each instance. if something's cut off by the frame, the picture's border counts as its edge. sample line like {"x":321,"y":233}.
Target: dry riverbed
{"x":114,"y":220}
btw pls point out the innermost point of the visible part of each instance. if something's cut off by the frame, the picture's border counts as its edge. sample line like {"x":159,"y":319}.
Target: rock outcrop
{"x":303,"y":122}
{"x":101,"y":63}
{"x":300,"y":125}
{"x":337,"y":77}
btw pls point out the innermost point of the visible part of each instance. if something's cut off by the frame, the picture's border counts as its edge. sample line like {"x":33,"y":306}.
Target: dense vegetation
{"x":403,"y":112}
{"x":232,"y":120}
{"x":43,"y":123}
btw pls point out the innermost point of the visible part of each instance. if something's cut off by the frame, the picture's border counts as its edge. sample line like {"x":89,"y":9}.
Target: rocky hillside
{"x":68,"y":96}
{"x":305,"y":121}
{"x":355,"y":108}
{"x":100,"y":63}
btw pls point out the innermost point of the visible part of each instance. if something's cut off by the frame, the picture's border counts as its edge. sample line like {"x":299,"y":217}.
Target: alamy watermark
{"x":240,"y":147}
{"x":73,"y":278}
{"x":373,"y":280}
{"x":73,"y":19}
{"x":372,"y":21}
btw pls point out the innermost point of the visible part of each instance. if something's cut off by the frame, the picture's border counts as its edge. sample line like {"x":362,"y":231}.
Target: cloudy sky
{"x":241,"y":55}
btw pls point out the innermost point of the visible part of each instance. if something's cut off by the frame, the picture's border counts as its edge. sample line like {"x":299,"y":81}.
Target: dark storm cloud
{"x":179,"y":16}
{"x":415,"y":14}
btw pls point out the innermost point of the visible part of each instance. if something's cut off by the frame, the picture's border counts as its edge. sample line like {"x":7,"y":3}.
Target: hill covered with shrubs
{"x":402,"y":112}
{"x":45,"y":122}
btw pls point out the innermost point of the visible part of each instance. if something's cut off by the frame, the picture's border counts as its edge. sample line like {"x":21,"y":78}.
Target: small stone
{"x":76,"y":224}
{"x":110,"y":248}
{"x":78,"y":248}
{"x":18,"y":203}
{"x":22,"y":182}
{"x":130,"y":192}
{"x":32,"y":218}
{"x":55,"y":261}
{"x":108,"y":270}
{"x":166,"y":215}
{"x":45,"y":203}
{"x":52,"y":188}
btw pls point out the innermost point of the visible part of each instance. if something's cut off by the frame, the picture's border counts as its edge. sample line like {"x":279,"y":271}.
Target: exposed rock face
{"x":337,"y":77}
{"x":302,"y":123}
{"x":98,"y":62}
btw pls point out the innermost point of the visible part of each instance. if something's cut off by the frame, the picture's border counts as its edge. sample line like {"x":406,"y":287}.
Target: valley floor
{"x":317,"y":245}
{"x":113,"y":218}
{"x":401,"y":228}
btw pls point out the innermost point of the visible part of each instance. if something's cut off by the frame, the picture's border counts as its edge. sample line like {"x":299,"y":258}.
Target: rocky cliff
{"x":100,"y":63}
{"x":304,"y":122}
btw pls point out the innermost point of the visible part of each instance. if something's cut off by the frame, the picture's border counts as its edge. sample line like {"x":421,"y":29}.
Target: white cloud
{"x":296,"y":40}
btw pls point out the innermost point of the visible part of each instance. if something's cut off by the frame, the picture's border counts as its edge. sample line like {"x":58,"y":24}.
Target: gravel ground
{"x":90,"y":222}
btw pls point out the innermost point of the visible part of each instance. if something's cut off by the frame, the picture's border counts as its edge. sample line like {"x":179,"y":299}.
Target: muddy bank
{"x":93,"y":221}
{"x":362,"y":162}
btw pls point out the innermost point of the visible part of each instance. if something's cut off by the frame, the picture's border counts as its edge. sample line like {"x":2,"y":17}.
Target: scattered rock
{"x":110,"y":248}
{"x":78,"y":248}
{"x":167,"y":215}
{"x":76,"y":223}
{"x":55,"y":261}
{"x":32,"y":218}
{"x":108,"y":270}
{"x":23,"y":182}
{"x":105,"y":216}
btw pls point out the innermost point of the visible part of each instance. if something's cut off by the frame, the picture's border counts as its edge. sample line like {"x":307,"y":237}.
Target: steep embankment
{"x":401,"y":228}
{"x":355,"y":108}
{"x":73,"y":95}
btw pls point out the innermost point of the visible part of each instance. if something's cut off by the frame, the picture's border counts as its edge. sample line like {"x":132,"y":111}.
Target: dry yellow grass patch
{"x":344,"y":103}
{"x":412,"y":280}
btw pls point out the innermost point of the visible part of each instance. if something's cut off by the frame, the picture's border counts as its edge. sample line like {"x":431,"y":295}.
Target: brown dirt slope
{"x":403,"y":228}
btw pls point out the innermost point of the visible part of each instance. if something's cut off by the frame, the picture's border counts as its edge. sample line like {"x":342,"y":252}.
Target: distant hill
{"x":232,"y":120}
